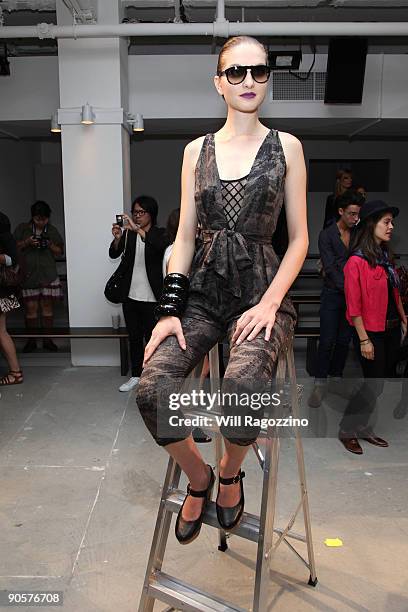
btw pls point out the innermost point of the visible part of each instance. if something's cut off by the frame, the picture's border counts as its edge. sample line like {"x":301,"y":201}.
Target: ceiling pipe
{"x":28,"y":5}
{"x":251,"y":4}
{"x":216,"y":29}
{"x":220,"y":11}
{"x":177,"y":12}
{"x":81,"y":14}
{"x":50,"y":5}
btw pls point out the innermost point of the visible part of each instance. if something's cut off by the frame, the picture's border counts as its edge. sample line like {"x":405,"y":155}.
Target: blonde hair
{"x":339,"y":175}
{"x":234,"y":42}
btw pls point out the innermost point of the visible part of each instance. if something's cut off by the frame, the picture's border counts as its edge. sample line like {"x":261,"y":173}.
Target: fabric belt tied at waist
{"x":228,"y":254}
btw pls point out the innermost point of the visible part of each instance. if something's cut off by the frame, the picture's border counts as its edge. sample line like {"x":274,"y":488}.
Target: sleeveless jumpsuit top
{"x":232,"y":268}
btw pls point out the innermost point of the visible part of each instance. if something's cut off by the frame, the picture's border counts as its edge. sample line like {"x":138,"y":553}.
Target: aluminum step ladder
{"x":179,"y":595}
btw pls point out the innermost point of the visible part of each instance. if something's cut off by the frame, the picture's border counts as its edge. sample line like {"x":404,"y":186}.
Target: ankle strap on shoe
{"x":195,"y":493}
{"x":234,"y":480}
{"x":203,"y":492}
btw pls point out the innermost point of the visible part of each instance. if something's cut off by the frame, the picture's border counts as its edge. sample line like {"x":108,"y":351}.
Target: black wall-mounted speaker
{"x":346,"y":64}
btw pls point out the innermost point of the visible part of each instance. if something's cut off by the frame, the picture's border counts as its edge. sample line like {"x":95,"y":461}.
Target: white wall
{"x":31,"y":91}
{"x":93,"y":192}
{"x":17,"y":185}
{"x":102,"y":66}
{"x":396,"y":152}
{"x":156,"y":167}
{"x":30,"y":171}
{"x":48,"y":182}
{"x":156,"y":171}
{"x":180,"y":86}
{"x":395,"y":84}
{"x":163,"y":87}
{"x":169,"y":86}
{"x":48,"y":187}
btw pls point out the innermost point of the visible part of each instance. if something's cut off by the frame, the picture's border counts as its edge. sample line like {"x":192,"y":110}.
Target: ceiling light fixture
{"x":285,"y":60}
{"x":138,"y":123}
{"x":55,"y":126}
{"x":87,"y":115}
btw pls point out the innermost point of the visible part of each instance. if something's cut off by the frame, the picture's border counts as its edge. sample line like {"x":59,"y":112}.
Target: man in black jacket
{"x":335,"y":331}
{"x":144,"y":244}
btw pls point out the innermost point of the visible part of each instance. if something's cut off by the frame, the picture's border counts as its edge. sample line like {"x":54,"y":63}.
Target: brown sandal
{"x":14,"y":377}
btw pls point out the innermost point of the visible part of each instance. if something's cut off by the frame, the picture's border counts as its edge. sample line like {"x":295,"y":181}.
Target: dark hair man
{"x":335,"y":331}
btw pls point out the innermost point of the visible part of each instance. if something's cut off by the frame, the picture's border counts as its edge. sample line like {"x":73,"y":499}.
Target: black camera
{"x":119,"y":220}
{"x":42,"y":242}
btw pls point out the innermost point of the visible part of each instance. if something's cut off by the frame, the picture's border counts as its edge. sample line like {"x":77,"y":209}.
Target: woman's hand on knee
{"x":252,"y":321}
{"x":167,"y":326}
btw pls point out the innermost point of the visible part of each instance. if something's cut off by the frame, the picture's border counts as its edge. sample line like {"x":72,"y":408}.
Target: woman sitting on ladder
{"x":234,"y":183}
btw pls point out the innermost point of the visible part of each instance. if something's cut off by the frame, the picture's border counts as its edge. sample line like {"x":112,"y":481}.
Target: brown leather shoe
{"x":401,"y":409}
{"x":350,"y":443}
{"x":317,"y":396}
{"x":369,"y":436}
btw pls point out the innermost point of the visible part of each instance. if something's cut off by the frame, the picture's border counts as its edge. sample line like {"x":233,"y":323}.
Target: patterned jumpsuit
{"x":231,"y":270}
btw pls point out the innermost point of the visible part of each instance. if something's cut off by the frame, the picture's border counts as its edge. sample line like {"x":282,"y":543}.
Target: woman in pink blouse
{"x":375,"y":309}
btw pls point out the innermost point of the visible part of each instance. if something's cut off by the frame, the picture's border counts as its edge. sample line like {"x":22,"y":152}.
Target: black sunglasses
{"x":237,"y":74}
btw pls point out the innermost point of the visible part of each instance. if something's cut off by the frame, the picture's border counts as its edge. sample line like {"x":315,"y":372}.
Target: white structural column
{"x":96,"y":175}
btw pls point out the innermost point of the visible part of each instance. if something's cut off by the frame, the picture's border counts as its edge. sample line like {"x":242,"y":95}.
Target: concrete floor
{"x":80,"y":483}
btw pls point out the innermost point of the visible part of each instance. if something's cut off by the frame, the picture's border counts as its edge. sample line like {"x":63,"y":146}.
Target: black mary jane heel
{"x":229,"y":518}
{"x":187,"y":531}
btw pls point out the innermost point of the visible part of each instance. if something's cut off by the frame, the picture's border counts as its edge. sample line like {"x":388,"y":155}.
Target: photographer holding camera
{"x":40,"y":243}
{"x":143,"y":244}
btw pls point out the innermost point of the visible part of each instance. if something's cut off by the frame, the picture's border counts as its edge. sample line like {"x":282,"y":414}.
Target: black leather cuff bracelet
{"x":173,"y":299}
{"x":176,"y":280}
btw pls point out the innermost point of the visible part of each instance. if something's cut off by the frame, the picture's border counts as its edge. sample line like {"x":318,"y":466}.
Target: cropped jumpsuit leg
{"x":253,"y":361}
{"x":231,"y":271}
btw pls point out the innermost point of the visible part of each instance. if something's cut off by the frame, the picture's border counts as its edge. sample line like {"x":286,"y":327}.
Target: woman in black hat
{"x":375,"y":309}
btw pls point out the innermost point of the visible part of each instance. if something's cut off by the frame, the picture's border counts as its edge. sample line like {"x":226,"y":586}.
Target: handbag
{"x":10,"y":276}
{"x":114,"y":288}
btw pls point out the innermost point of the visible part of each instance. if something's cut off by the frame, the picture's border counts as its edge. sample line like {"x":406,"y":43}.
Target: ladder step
{"x":247,"y":529}
{"x":182,"y":596}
